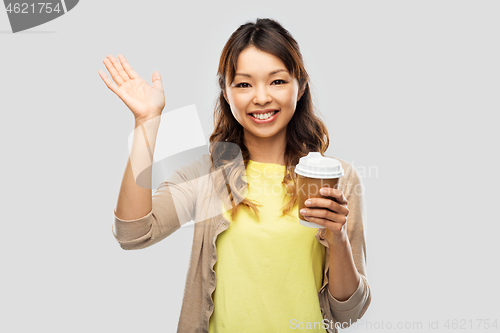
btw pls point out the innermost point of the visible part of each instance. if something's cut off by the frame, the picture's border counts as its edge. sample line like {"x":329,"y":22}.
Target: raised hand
{"x":145,"y":101}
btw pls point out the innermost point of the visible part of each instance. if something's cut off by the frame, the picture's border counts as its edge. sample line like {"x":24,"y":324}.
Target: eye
{"x":239,"y":85}
{"x":279,"y":81}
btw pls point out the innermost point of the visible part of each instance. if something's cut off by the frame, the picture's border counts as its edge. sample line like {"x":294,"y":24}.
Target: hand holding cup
{"x":321,"y":203}
{"x":330,"y":211}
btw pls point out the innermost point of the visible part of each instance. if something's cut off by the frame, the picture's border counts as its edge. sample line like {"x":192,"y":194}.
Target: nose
{"x":261,"y":96}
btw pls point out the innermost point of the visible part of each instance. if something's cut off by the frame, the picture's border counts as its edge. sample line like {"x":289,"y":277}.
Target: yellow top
{"x":268,"y":270}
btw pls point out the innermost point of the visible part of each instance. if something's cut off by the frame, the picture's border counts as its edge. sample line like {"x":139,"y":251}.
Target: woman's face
{"x":261,"y":83}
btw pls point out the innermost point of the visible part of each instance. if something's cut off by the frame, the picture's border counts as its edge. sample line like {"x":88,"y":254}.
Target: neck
{"x":267,"y":150}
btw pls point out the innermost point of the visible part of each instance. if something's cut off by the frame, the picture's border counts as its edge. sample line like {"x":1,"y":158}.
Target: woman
{"x":270,"y":270}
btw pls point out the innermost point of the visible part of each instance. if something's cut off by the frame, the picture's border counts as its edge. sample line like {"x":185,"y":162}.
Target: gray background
{"x":409,"y":88}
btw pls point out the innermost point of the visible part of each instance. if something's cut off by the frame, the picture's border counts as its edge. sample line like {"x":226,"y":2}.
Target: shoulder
{"x":205,"y":163}
{"x":202,"y":165}
{"x":189,"y":167}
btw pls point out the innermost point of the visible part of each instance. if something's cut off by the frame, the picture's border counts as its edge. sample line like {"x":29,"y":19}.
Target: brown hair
{"x":305,"y":132}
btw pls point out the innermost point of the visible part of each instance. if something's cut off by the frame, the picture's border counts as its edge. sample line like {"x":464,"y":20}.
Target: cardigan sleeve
{"x":172,"y":206}
{"x":345,"y":313}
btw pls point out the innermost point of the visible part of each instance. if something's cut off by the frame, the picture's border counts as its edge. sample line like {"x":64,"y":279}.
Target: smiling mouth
{"x":264,"y":116}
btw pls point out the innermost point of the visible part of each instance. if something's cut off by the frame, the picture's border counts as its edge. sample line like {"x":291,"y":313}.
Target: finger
{"x":112,"y":70}
{"x":325,"y":215}
{"x":325,"y":223}
{"x":337,"y":194}
{"x":126,"y":66}
{"x":111,"y":85}
{"x":119,"y":68}
{"x":157,"y":83}
{"x":329,"y":204}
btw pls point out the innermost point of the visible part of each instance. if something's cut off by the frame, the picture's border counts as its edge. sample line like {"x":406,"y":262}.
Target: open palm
{"x":144,"y":100}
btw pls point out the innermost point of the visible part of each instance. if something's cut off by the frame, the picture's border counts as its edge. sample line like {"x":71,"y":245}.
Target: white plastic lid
{"x":316,"y":166}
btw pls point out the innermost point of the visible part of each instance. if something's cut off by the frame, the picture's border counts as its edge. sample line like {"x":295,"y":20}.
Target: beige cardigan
{"x":180,"y":200}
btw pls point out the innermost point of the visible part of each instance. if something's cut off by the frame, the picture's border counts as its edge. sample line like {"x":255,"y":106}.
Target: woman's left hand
{"x":330,"y":212}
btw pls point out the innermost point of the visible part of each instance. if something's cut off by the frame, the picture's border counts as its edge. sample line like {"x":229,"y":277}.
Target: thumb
{"x":157,"y":80}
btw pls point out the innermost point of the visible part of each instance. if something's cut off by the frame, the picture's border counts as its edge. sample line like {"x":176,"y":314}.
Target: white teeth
{"x":263,"y":116}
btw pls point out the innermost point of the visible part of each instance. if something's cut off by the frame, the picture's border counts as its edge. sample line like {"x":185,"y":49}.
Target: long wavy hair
{"x":305,"y":132}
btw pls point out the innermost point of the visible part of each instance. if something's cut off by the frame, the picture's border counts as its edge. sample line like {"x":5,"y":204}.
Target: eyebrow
{"x":272,"y":73}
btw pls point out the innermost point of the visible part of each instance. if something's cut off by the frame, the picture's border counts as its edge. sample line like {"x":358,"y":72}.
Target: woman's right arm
{"x":137,"y":224}
{"x":134,"y":199}
{"x":140,"y":219}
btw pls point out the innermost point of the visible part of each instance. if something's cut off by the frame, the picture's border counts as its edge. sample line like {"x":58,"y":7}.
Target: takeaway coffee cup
{"x":315,"y":171}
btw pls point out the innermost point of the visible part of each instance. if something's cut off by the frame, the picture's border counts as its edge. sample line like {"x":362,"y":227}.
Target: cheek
{"x":239,"y":104}
{"x":235,"y":106}
{"x":288,"y":98}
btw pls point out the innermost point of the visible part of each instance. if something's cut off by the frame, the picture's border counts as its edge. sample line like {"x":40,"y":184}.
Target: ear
{"x":225,"y":96}
{"x":301,"y":92}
